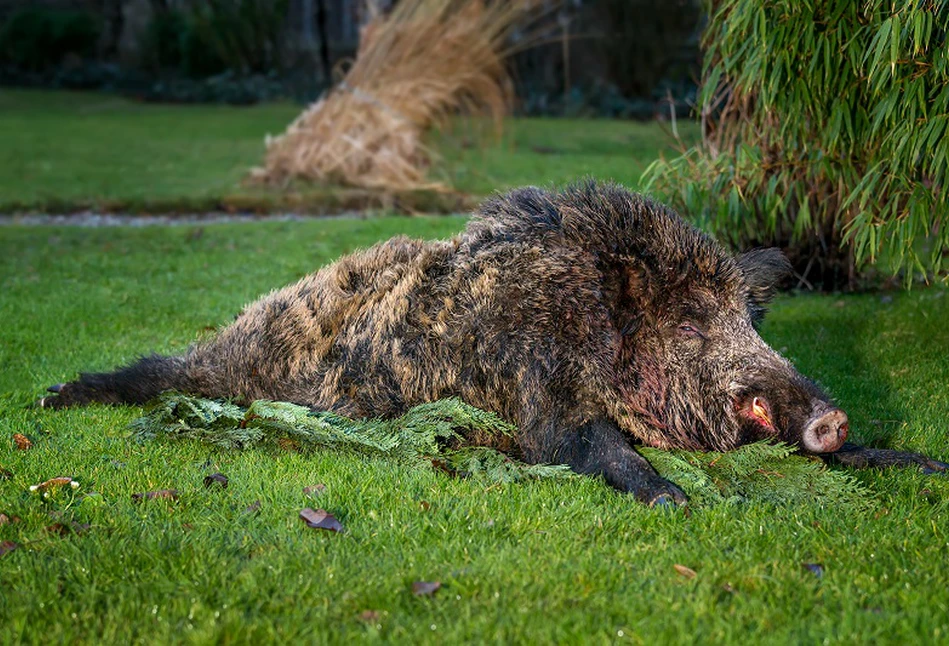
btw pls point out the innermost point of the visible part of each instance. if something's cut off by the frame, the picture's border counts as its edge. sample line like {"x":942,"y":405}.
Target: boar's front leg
{"x":861,"y":457}
{"x":601,"y":448}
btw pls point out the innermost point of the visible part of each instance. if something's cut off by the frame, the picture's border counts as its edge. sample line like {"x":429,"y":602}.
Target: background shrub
{"x":245,"y":36}
{"x":37,"y":38}
{"x":162,"y":41}
{"x":206,"y":38}
{"x":611,"y":58}
{"x":824,"y":132}
{"x":623,"y":59}
{"x":645,"y":41}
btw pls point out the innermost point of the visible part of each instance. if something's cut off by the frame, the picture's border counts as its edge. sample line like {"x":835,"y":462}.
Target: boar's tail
{"x":136,"y":383}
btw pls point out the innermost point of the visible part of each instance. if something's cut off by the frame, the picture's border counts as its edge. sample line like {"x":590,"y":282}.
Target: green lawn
{"x":542,"y":561}
{"x":67,"y":151}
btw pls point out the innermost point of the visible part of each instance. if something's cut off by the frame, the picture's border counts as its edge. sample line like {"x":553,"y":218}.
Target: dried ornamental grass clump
{"x":416,"y":66}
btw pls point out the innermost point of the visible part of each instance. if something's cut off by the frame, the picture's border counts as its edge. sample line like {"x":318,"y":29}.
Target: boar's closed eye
{"x":691,"y":330}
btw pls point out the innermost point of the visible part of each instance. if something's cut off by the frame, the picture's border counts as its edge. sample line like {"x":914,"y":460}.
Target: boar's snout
{"x":825,"y":432}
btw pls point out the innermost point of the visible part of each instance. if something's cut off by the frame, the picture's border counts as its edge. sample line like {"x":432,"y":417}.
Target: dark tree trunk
{"x":115,"y":17}
{"x":325,"y":63}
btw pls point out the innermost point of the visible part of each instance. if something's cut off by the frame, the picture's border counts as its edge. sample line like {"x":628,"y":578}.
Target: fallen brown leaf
{"x":314,"y":490}
{"x":171,"y":494}
{"x":445,"y":467}
{"x":58,"y":528}
{"x":370,"y":615}
{"x":425,"y":588}
{"x":54,"y":483}
{"x":287,"y":444}
{"x":22,"y":442}
{"x":321,"y":519}
{"x":425,"y":505}
{"x":65,"y":529}
{"x":5,"y":474}
{"x":687,"y":572}
{"x":218,"y":479}
{"x":7,"y":546}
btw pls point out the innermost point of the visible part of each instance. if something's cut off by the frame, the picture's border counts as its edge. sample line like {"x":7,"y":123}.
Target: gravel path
{"x":120,"y":220}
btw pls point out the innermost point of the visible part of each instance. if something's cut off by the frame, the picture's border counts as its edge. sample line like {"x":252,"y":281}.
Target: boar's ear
{"x":763,"y":270}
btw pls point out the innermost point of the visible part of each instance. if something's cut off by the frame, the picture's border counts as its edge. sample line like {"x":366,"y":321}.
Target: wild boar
{"x":591,"y":318}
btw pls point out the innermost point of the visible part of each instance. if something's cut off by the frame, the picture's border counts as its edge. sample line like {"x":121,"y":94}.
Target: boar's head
{"x":689,"y":367}
{"x":698,"y":371}
{"x":681,"y":363}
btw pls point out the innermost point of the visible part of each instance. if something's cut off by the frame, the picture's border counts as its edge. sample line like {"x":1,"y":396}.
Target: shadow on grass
{"x":831,"y":346}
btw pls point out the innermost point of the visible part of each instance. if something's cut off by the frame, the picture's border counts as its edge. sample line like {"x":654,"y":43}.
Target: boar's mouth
{"x":825,"y":430}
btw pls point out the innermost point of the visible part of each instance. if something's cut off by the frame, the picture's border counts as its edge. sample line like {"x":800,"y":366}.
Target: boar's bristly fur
{"x":591,"y":318}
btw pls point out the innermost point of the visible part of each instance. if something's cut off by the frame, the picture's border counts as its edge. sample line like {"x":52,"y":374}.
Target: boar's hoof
{"x":826,"y":433}
{"x":663,"y":500}
{"x":669,"y":497}
{"x":51,"y":401}
{"x":65,"y":395}
{"x":934,"y":466}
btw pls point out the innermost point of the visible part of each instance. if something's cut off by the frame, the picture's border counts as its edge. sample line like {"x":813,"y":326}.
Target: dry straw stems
{"x":416,"y":66}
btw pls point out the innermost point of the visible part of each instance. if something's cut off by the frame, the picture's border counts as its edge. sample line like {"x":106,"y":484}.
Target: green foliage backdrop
{"x":825,"y":132}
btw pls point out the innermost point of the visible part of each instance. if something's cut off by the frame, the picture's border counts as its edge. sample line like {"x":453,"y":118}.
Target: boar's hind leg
{"x":601,"y":448}
{"x":861,"y":457}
